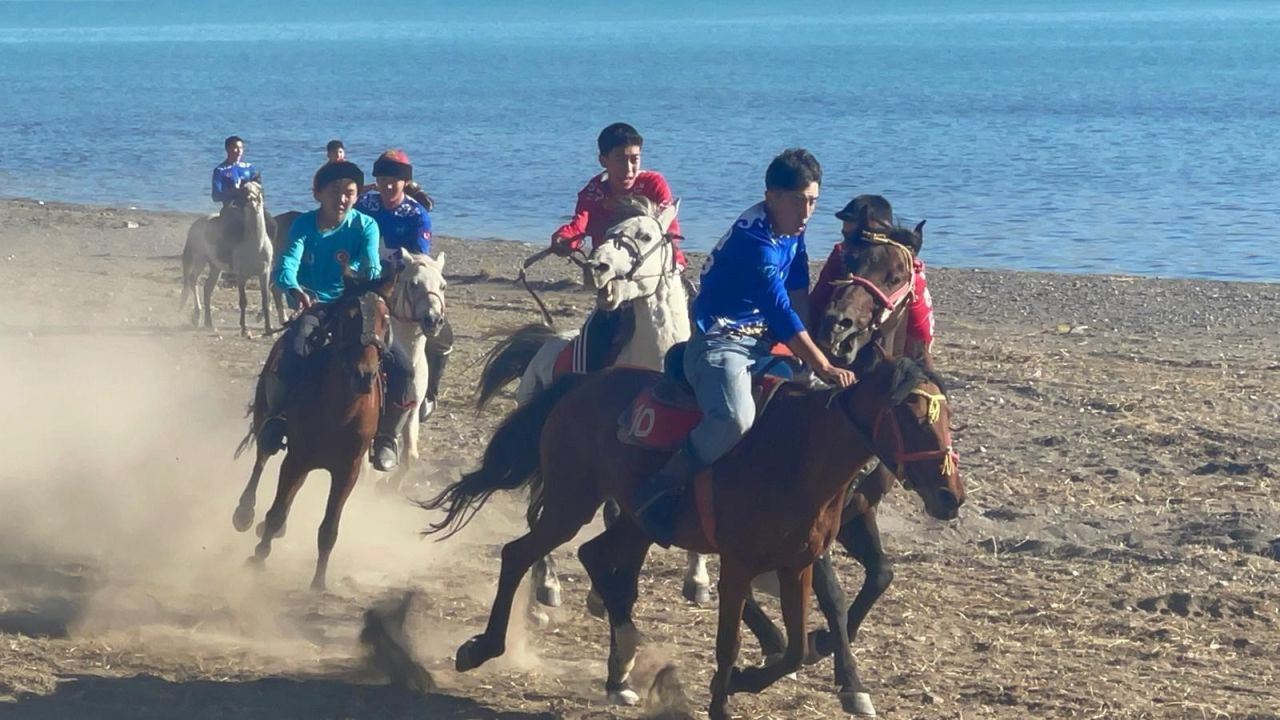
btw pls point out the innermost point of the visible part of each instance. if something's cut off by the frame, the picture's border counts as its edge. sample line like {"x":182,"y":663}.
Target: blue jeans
{"x":719,"y":367}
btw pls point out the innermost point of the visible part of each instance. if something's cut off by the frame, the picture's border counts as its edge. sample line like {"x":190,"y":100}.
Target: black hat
{"x":393,"y":164}
{"x":878,"y":209}
{"x":338,"y":170}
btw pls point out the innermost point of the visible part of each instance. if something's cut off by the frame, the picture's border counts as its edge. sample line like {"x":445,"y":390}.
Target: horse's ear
{"x":919,"y":231}
{"x":440,"y":259}
{"x":667,"y":214}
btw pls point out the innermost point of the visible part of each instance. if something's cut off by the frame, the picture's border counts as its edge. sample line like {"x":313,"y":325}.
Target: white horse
{"x":417,"y":310}
{"x":634,"y":263}
{"x":245,"y":254}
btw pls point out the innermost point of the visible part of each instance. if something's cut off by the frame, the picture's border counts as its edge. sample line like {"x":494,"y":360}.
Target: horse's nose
{"x":948,"y":500}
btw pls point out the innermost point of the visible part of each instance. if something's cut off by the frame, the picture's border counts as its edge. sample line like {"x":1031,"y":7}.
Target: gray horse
{"x":242,"y":249}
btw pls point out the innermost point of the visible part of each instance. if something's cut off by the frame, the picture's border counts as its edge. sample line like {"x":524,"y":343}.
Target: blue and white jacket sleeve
{"x":368,"y":265}
{"x":219,"y":190}
{"x":422,"y":235}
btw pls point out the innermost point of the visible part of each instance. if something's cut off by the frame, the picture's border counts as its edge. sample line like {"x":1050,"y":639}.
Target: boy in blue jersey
{"x":405,"y":225}
{"x":754,"y":293}
{"x":228,"y":176}
{"x":323,"y":246}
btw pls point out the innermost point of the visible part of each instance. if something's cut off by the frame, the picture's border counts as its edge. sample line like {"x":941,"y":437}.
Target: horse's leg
{"x":861,"y":538}
{"x":266,"y":302}
{"x":772,"y":644}
{"x":241,"y":284}
{"x":342,"y":481}
{"x":243,"y":517}
{"x":292,"y":473}
{"x":794,"y":586}
{"x":854,"y":697}
{"x":697,"y":582}
{"x":734,"y":586}
{"x":613,"y":560}
{"x":210,"y":283}
{"x":544,"y":586}
{"x":559,"y":522}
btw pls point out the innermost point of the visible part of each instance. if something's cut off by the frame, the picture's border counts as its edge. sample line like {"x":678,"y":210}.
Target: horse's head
{"x":250,"y":197}
{"x":636,"y":255}
{"x":879,"y":284}
{"x":911,"y":432}
{"x":360,"y":323}
{"x":419,"y":292}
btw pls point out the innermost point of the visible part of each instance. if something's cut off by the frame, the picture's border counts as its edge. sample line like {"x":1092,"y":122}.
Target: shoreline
{"x":818,"y":252}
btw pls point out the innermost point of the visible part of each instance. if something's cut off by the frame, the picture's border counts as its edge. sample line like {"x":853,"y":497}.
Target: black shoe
{"x":271,"y":435}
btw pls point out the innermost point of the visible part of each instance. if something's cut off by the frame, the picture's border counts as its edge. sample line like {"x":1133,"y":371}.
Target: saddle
{"x":665,"y":411}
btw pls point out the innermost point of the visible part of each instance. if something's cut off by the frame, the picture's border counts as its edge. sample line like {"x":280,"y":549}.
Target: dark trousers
{"x":603,"y":337}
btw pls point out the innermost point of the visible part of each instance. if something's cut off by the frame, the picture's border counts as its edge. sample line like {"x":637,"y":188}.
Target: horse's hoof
{"x":242,"y":520}
{"x":697,"y":593}
{"x":537,"y":617}
{"x":262,"y":528}
{"x":625,"y":697}
{"x":857,"y":704}
{"x":549,"y":595}
{"x":469,"y":656}
{"x":254,"y":562}
{"x":318,"y":585}
{"x":595,"y":605}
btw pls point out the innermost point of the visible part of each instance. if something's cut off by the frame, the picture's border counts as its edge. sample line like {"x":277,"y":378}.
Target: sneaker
{"x":425,"y":409}
{"x":386,"y":453}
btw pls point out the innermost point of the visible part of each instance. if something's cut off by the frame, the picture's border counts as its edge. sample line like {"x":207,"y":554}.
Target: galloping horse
{"x":634,"y":262}
{"x":777,"y":499}
{"x":210,"y":244}
{"x":332,"y":416}
{"x":863,"y":322}
{"x":417,"y":310}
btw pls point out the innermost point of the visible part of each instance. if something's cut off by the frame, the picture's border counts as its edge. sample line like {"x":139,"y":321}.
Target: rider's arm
{"x":421,"y":242}
{"x":572,"y":232}
{"x":219,"y":191}
{"x":367,"y":264}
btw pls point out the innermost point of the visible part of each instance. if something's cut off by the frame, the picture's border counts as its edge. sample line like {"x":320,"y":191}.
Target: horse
{"x":777,"y":499}
{"x":211,"y":244}
{"x":864,"y":321}
{"x":634,"y":262}
{"x":417,"y":310}
{"x":332,"y":416}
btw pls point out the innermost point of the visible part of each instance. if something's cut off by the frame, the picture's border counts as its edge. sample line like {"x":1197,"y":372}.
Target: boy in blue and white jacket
{"x":754,"y":289}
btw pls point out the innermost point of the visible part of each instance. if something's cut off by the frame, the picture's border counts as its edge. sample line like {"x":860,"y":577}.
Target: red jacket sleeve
{"x":920,"y":312}
{"x":576,"y":229}
{"x":822,"y":291}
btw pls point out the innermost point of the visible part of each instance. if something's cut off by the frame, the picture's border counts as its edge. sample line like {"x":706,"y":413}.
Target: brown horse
{"x":332,"y":415}
{"x":777,"y":497}
{"x":864,"y":321}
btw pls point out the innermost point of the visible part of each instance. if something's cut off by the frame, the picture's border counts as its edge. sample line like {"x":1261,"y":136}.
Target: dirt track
{"x":1117,"y":557}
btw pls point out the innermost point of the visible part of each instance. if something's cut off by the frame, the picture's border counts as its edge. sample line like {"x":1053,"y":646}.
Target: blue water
{"x":1133,"y":137}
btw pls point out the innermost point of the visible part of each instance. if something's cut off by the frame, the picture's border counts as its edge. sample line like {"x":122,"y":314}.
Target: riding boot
{"x":657,"y":500}
{"x":386,"y":444}
{"x":275,"y":391}
{"x":435,"y":372}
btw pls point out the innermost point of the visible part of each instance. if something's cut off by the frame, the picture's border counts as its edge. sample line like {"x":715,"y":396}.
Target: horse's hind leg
{"x":342,"y":482}
{"x":558,"y":523}
{"x":734,"y":586}
{"x":242,"y":520}
{"x":697,"y":581}
{"x":292,"y":473}
{"x":613,"y":560}
{"x":772,"y":644}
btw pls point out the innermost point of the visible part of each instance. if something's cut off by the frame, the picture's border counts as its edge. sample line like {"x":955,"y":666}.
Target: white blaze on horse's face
{"x":252,"y":195}
{"x":633,"y":258}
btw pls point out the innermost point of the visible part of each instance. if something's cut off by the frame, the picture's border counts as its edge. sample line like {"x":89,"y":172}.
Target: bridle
{"x":402,"y":301}
{"x":889,"y":303}
{"x":629,"y":245}
{"x":947,"y":454}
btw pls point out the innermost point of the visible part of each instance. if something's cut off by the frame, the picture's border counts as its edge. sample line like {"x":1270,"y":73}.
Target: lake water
{"x":1129,"y":137}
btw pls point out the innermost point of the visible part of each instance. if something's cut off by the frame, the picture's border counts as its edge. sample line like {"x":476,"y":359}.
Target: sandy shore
{"x":1118,"y":556}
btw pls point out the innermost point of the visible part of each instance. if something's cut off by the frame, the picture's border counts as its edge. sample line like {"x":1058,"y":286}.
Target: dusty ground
{"x":1117,"y":557}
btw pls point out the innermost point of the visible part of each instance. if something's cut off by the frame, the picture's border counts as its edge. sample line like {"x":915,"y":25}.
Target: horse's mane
{"x":627,"y":206}
{"x":907,"y":376}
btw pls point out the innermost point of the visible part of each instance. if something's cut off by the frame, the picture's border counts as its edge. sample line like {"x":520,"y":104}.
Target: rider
{"x":620,"y":148}
{"x":228,"y":176}
{"x":405,"y":226}
{"x":879,"y":217}
{"x":754,"y":290}
{"x":335,"y":151}
{"x":324,"y":246}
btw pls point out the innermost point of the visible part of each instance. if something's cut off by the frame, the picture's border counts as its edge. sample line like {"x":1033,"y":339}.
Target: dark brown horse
{"x":864,"y":321}
{"x":332,"y":414}
{"x":777,"y":499}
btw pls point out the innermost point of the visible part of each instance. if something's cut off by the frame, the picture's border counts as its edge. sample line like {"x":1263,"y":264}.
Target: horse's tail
{"x":509,"y":359}
{"x":510,"y":460}
{"x":258,"y":400}
{"x":188,"y":261}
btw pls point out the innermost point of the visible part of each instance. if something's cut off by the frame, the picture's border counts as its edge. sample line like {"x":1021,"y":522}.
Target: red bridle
{"x":947,"y":454}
